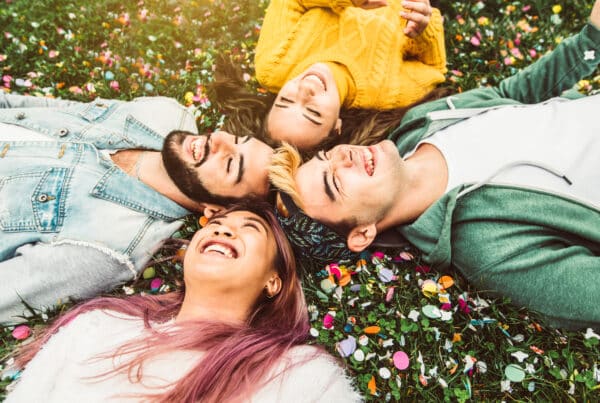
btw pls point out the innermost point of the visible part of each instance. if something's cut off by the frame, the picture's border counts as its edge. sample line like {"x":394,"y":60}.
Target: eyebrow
{"x":328,"y":190}
{"x":258,"y":221}
{"x":240,"y":170}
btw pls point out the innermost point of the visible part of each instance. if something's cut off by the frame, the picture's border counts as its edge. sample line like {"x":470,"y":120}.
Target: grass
{"x":116,"y":49}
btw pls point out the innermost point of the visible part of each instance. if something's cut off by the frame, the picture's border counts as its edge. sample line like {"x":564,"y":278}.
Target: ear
{"x":273,"y":286}
{"x":211,"y":209}
{"x":338,"y":126}
{"x":361,"y":237}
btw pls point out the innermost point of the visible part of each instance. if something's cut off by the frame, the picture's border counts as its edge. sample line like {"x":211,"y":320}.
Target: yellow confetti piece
{"x":557,"y":8}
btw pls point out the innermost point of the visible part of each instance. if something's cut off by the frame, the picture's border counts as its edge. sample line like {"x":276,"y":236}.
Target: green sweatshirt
{"x":539,"y":249}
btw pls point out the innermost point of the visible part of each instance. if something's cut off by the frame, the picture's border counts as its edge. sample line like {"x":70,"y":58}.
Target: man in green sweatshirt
{"x":500,"y":183}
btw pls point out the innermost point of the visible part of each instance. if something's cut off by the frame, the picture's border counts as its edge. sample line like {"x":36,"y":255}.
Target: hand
{"x":418,"y":13}
{"x":595,"y":14}
{"x":368,"y":4}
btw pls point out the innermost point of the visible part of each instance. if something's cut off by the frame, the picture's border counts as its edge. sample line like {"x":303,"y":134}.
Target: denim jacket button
{"x":63,"y":132}
{"x":20,"y":116}
{"x":42,"y":198}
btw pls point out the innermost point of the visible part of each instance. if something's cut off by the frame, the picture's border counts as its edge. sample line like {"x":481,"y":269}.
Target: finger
{"x":415,"y":6}
{"x":418,"y":18}
{"x":411,"y":30}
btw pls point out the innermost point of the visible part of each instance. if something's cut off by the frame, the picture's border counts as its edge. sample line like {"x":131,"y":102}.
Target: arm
{"x":43,"y":274}
{"x":429,"y":47}
{"x":573,"y":59}
{"x":22,"y":101}
{"x":45,"y":369}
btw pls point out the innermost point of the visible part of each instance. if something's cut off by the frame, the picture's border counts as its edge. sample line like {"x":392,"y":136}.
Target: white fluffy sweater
{"x":58,"y":372}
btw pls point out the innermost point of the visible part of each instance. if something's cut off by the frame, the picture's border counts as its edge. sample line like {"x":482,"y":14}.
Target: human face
{"x":351,"y":183}
{"x":306,"y":109}
{"x":232,"y":256}
{"x":219,"y":163}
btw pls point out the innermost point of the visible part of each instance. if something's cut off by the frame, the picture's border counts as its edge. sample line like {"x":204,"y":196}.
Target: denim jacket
{"x":64,"y":191}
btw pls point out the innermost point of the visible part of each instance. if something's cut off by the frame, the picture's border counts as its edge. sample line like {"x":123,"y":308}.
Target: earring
{"x":269,"y":296}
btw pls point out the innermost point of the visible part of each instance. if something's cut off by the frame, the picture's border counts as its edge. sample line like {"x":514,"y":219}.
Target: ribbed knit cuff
{"x":335,"y":5}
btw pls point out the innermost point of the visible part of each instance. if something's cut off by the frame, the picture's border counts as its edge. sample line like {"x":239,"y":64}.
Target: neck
{"x":426,"y":180}
{"x":153,"y":173}
{"x":211,"y":306}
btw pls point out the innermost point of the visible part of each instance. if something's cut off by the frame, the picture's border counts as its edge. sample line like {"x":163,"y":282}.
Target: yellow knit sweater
{"x":379,"y":66}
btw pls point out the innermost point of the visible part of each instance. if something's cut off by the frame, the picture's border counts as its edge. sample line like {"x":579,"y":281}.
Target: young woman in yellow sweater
{"x":323,"y":56}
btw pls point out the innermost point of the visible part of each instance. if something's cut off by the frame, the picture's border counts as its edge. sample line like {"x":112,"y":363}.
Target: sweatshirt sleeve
{"x":335,"y":5}
{"x":429,"y":47}
{"x":573,"y":59}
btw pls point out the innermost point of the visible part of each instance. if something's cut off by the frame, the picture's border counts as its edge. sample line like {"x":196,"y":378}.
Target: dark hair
{"x":238,"y":357}
{"x":247,"y":112}
{"x":186,"y":178}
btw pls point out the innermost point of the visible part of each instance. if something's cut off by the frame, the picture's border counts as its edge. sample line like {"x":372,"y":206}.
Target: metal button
{"x":63,"y":132}
{"x":42,"y":198}
{"x":100,"y":105}
{"x":20,"y":116}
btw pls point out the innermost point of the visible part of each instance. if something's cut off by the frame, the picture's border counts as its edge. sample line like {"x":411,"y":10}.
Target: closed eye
{"x":229,"y":161}
{"x":314,"y":112}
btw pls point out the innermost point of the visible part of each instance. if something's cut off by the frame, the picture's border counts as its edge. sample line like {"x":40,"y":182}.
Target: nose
{"x":223,"y":230}
{"x":305,"y":90}
{"x":342,"y":158}
{"x":219,"y":141}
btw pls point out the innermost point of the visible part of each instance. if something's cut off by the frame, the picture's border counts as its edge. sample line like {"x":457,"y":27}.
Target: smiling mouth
{"x":199,"y":148}
{"x":219,"y":248}
{"x":317,"y":79}
{"x":369,"y":161}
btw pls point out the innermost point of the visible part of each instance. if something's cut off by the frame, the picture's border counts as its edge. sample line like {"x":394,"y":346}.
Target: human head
{"x":243,"y":254}
{"x":217,"y":168}
{"x":347,"y":190}
{"x":307,"y":108}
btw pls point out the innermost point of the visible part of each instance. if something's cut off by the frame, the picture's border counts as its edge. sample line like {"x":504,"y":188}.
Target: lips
{"x":198,"y":147}
{"x":368,"y":161}
{"x":219,"y":248}
{"x":317,"y":79}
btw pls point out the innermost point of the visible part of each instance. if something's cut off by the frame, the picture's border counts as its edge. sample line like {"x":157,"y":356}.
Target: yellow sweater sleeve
{"x":429,"y":47}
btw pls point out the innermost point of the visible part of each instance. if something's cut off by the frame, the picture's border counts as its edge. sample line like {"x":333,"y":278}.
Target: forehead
{"x":240,"y":217}
{"x":311,"y":186}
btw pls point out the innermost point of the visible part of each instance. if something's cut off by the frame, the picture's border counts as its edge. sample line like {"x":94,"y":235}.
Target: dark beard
{"x":181,"y":173}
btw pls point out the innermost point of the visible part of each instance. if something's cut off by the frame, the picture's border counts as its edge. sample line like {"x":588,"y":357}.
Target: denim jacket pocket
{"x":34,"y":202}
{"x":97,"y":111}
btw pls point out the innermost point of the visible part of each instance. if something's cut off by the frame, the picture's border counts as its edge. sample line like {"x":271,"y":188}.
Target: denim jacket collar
{"x":116,"y":186}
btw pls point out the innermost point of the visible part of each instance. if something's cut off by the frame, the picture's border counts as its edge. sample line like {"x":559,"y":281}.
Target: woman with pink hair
{"x":236,"y":332}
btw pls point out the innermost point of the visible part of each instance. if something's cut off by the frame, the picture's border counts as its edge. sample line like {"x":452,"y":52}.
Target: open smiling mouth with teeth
{"x":199,"y":148}
{"x":220,"y":249}
{"x":315,"y":79}
{"x":369,"y":161}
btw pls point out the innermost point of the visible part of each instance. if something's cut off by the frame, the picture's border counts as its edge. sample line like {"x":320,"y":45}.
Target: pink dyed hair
{"x":237,"y":358}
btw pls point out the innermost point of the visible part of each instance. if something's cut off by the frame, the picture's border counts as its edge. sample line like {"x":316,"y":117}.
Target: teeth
{"x":315,"y":78}
{"x":369,"y":164}
{"x":222,"y":249}
{"x":195,"y":149}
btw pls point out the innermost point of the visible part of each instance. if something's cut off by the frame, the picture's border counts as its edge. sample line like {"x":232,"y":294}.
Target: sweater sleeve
{"x":42,"y":372}
{"x":573,"y":59}
{"x":429,"y":47}
{"x":335,"y":5}
{"x":315,"y":377}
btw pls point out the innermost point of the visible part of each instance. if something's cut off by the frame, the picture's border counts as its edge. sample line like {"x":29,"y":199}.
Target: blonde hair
{"x":284,"y":165}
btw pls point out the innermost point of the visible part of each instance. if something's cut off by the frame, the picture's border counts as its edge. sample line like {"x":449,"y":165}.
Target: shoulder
{"x":316,"y":375}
